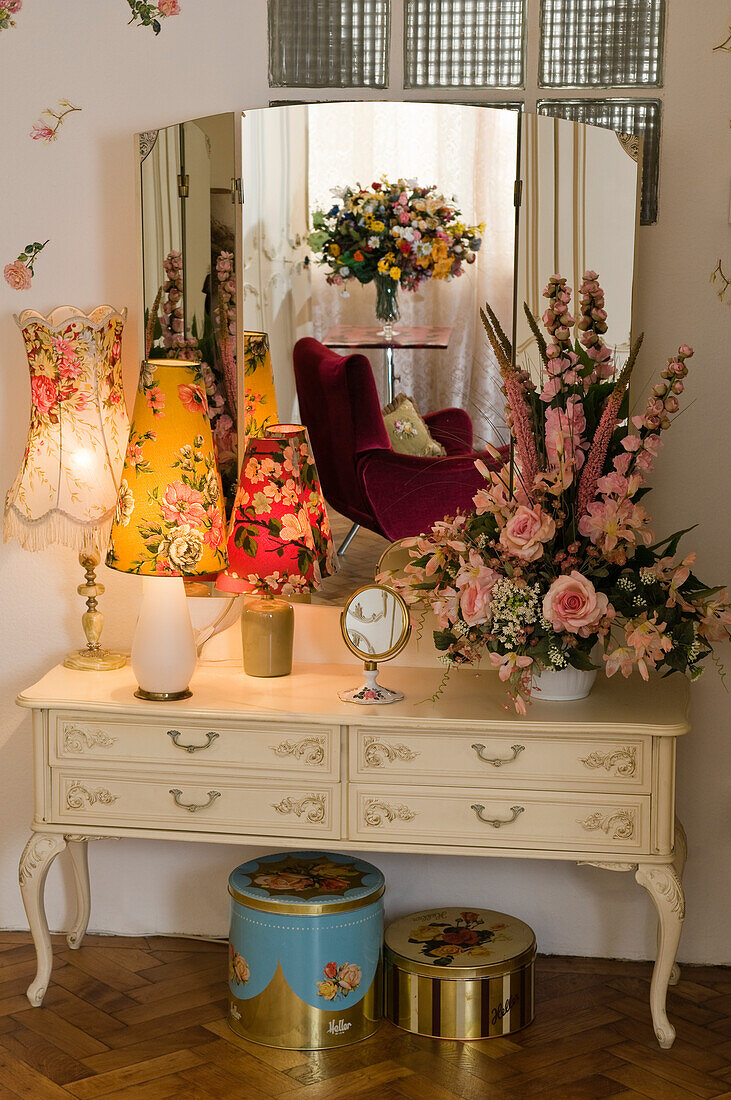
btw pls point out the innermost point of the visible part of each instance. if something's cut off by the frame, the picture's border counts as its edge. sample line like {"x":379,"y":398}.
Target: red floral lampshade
{"x":298,"y":438}
{"x":271,"y":548}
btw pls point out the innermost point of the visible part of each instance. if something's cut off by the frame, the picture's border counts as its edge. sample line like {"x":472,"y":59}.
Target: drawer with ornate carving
{"x":499,"y":818}
{"x":502,"y":759}
{"x":256,"y":748}
{"x":178,"y":801}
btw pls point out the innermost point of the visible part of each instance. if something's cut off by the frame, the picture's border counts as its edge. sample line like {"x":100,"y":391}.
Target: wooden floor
{"x":144,"y":1019}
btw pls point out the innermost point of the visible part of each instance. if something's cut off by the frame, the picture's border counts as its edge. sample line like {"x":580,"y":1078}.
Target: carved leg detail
{"x":681,"y":852}
{"x":38,"y":855}
{"x":666,"y":890}
{"x":78,"y":850}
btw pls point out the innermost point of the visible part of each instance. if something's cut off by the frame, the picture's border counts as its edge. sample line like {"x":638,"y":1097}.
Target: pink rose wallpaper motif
{"x":9,"y":8}
{"x":19,"y":273}
{"x":48,"y":131}
{"x":149,"y":15}
{"x":338,"y":981}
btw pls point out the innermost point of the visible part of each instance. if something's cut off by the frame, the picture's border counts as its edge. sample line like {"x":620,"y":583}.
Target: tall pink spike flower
{"x":525,"y":443}
{"x":592,"y":326}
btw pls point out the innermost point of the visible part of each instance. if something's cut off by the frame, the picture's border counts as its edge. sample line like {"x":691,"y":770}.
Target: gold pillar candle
{"x":267,"y":632}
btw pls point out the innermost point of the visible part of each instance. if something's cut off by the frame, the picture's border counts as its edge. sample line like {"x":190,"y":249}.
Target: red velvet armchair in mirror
{"x":395,"y":495}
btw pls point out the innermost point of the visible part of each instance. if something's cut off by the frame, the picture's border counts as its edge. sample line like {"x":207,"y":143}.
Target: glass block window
{"x":628,"y":116}
{"x":329,"y":43}
{"x":601,"y":43}
{"x":464,"y":43}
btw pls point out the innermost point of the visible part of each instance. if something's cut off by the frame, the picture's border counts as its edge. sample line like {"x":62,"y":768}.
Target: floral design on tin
{"x":308,"y":878}
{"x":443,"y":941}
{"x":19,"y":273}
{"x":238,"y":968}
{"x":48,"y":131}
{"x":339,"y":981}
{"x":149,"y":15}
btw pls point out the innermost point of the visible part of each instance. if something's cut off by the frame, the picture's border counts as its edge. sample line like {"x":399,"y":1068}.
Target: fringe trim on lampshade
{"x":57,"y":527}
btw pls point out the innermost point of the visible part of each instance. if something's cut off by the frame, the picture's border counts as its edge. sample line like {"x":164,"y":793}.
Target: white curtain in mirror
{"x":276,"y":224}
{"x":580,"y":198}
{"x":469,"y":153}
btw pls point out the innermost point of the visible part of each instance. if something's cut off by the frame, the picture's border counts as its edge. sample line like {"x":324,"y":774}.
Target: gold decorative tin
{"x":305,"y":950}
{"x":459,"y":973}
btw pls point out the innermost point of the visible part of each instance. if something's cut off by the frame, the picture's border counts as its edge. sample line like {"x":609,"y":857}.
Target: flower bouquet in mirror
{"x":396,"y":234}
{"x":558,"y":554}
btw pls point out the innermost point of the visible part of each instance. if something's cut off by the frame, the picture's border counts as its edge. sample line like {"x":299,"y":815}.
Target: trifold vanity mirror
{"x":231,"y":276}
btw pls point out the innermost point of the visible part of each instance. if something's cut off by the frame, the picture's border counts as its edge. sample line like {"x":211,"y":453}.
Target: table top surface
{"x":405,"y":336}
{"x":472,"y":699}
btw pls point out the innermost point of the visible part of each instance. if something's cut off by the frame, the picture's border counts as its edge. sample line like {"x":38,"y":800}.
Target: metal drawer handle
{"x":174,"y":736}
{"x":191,"y":807}
{"x":495,"y":822}
{"x":497,"y":762}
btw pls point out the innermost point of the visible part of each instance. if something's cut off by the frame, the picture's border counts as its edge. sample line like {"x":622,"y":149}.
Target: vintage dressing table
{"x":282,"y":762}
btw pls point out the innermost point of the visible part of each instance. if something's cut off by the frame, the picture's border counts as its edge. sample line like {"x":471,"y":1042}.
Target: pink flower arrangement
{"x":560,"y":556}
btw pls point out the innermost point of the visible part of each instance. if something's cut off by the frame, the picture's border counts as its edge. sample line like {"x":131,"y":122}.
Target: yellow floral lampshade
{"x":169,"y":520}
{"x":260,"y":399}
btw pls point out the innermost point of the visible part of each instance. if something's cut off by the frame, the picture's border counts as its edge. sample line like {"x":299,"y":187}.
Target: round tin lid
{"x":306,"y":883}
{"x":459,"y":943}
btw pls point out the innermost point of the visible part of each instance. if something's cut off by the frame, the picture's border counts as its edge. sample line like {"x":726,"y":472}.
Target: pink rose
{"x":44,"y":393}
{"x":349,"y":977}
{"x":474,"y":603}
{"x":168,"y":7}
{"x":17,"y":275}
{"x":13,"y":6}
{"x":573,"y":604}
{"x":524,"y":534}
{"x":330,"y":969}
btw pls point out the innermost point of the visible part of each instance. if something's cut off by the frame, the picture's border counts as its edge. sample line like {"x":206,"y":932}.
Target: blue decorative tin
{"x":305,"y":950}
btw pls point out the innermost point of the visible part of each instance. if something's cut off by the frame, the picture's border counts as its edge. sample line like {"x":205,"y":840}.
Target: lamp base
{"x":267,"y":632}
{"x":162,"y":696}
{"x":90,"y":660}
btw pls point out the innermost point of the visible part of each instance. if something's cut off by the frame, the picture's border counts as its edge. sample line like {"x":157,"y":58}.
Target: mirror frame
{"x":403,"y":638}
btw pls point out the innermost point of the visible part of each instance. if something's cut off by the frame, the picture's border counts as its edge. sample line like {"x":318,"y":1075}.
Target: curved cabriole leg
{"x":681,"y":853}
{"x":78,"y":850}
{"x":666,"y":890}
{"x":37,"y":857}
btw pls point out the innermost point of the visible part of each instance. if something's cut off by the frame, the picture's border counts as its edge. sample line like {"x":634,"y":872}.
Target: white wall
{"x":80,"y":193}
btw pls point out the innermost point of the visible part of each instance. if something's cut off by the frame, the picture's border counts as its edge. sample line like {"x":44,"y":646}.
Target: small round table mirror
{"x":375,"y":626}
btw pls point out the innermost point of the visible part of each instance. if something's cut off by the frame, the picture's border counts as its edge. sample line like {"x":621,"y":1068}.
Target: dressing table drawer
{"x":500,"y":818}
{"x":178,"y":801}
{"x":255,"y":748}
{"x":501,"y":760}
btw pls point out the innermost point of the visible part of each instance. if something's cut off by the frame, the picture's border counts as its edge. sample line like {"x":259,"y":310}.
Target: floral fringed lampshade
{"x":66,"y":488}
{"x":298,"y":439}
{"x":270,"y":547}
{"x":260,"y":399}
{"x":169,"y":519}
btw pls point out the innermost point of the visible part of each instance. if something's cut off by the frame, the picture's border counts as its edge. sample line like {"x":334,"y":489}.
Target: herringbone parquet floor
{"x":144,"y":1019}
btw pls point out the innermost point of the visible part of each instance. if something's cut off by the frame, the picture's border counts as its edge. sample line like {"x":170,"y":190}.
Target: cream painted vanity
{"x":282,"y":762}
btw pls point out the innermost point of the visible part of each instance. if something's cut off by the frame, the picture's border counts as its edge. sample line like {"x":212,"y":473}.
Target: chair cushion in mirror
{"x":406,"y":429}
